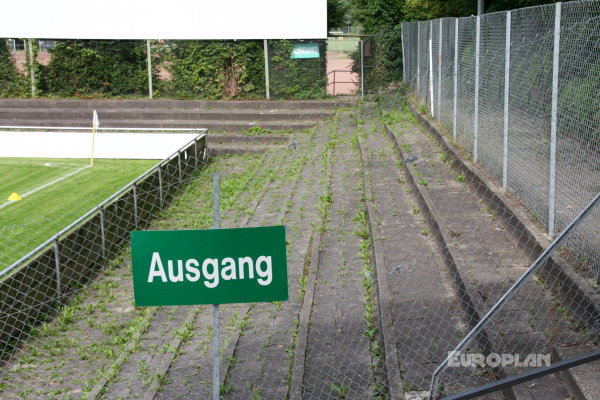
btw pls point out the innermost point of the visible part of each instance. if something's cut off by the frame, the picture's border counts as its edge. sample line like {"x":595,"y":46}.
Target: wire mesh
{"x":578,"y":110}
{"x":398,"y":244}
{"x":446,"y":112}
{"x":491,"y":92}
{"x":180,"y":69}
{"x":466,"y":82}
{"x":525,"y":158}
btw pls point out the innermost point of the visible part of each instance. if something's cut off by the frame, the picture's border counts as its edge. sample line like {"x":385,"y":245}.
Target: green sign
{"x":305,"y":50}
{"x":209,"y":266}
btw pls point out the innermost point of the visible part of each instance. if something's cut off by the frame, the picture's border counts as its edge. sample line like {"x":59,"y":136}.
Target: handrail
{"x":96,"y":208}
{"x":87,"y":128}
{"x":510,"y":293}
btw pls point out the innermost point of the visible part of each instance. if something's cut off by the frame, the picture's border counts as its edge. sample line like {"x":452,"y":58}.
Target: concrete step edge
{"x":582,"y":381}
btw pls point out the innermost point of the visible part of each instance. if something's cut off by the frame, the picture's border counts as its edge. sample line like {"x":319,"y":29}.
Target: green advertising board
{"x":216,"y":266}
{"x":305,"y":50}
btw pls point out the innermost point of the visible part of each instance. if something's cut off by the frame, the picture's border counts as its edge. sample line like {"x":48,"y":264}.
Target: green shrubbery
{"x":382,"y":58}
{"x":214,"y":70}
{"x":579,"y":107}
{"x":12,"y":84}
{"x":187,"y":69}
{"x":296,"y":78}
{"x":95,"y":68}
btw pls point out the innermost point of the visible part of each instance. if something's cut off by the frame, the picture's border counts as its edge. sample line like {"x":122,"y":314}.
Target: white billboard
{"x":172,"y":19}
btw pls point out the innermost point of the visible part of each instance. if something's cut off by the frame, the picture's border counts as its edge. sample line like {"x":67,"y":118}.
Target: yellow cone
{"x":14,"y":197}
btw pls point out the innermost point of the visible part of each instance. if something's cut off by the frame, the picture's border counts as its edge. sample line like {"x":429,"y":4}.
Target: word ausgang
{"x":211,"y":269}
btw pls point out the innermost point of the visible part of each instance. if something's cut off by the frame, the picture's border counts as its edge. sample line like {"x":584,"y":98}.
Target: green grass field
{"x":347,"y":46}
{"x":27,"y":223}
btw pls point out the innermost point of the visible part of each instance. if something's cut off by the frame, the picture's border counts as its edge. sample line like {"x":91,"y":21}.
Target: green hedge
{"x":382,"y":58}
{"x":95,"y":68}
{"x":12,"y":83}
{"x":214,"y":70}
{"x":297,"y":78}
{"x":193,"y":69}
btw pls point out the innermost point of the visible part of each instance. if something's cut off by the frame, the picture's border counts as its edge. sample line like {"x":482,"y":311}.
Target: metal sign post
{"x":211,"y":266}
{"x":216,"y":309}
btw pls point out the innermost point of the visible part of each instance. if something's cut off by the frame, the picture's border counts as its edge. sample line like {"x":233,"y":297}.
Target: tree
{"x":375,"y":15}
{"x":336,"y":13}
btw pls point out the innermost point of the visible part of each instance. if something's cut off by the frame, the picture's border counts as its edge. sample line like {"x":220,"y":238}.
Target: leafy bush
{"x":297,"y":78}
{"x":96,"y":68}
{"x":382,"y":58}
{"x":214,"y":70}
{"x":579,"y":107}
{"x":12,"y":83}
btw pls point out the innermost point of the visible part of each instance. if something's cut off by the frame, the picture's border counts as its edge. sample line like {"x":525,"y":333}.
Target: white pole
{"x":403,"y":53}
{"x":455,"y":111}
{"x":267,"y":83}
{"x":431,"y":75}
{"x":506,"y":93}
{"x":553,"y":122}
{"x":476,"y":105}
{"x":149,"y":69}
{"x":216,"y":383}
{"x":31,"y":69}
{"x":418,"y":61}
{"x":362,"y":70}
{"x":439,"y":99}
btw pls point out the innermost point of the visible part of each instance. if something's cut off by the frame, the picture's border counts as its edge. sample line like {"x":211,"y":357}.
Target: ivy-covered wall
{"x":12,"y":83}
{"x":213,"y":70}
{"x":181,"y":69}
{"x":297,"y":78}
{"x":95,"y":68}
{"x":382,"y":58}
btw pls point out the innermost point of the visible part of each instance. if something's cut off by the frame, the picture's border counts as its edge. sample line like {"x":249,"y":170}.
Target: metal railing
{"x":41,"y":280}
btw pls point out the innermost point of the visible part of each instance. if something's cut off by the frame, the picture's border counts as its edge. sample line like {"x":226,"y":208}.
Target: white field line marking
{"x":45,"y":185}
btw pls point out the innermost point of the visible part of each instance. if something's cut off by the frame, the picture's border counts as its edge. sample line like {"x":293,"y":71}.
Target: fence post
{"x":102,"y":232}
{"x":476,"y":105}
{"x":57,"y":267}
{"x":455,"y":111}
{"x":439,"y":99}
{"x":31,"y":69}
{"x":506,"y":93}
{"x":267,"y":83}
{"x":553,"y":122}
{"x":160,"y":186}
{"x":149,"y":68}
{"x":216,"y":307}
{"x":196,"y":155}
{"x":135,"y":206}
{"x":403,"y":56}
{"x":179,"y":167}
{"x":362,"y":69}
{"x":431,"y":67}
{"x":418,"y":61}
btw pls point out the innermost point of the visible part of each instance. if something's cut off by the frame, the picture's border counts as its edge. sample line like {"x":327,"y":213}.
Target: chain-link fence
{"x":40,"y":274}
{"x":295,"y":69}
{"x":401,"y":250}
{"x":515,"y":90}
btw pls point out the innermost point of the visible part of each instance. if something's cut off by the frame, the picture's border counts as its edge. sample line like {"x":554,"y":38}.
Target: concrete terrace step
{"x":151,"y":114}
{"x":217,"y":138}
{"x":582,"y":381}
{"x":231,"y":126}
{"x":486,"y":260}
{"x":176,"y":104}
